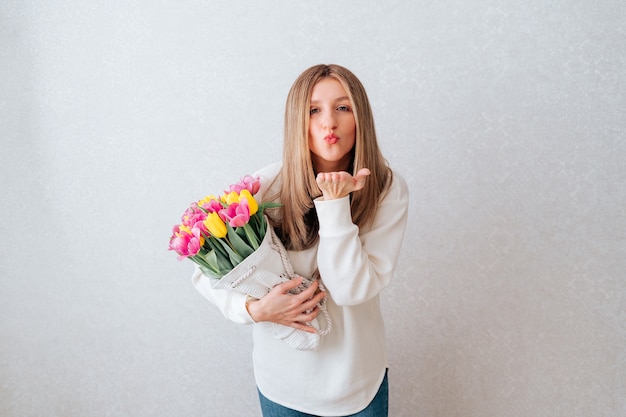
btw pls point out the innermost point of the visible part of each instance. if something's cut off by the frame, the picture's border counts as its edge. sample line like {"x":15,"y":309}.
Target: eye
{"x":343,"y":107}
{"x":314,"y":110}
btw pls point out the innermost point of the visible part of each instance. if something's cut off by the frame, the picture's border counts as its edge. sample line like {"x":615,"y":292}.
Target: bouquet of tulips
{"x":233,"y":244}
{"x":219,"y":233}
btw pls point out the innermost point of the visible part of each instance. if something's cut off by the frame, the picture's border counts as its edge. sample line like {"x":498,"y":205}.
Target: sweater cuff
{"x":334,"y":216}
{"x":238,"y":311}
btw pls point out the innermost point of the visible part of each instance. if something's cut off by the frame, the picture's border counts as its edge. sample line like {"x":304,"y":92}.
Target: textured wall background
{"x":508,"y":120}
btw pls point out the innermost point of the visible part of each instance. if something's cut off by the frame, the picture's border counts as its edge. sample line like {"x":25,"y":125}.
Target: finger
{"x":312,"y":299}
{"x":337,"y":177}
{"x":332,"y":177}
{"x":323,"y":177}
{"x":301,"y":326}
{"x":310,"y":291}
{"x":361,"y":177}
{"x":309,"y":315}
{"x":363,"y":173}
{"x":304,"y":327}
{"x":313,"y":303}
{"x":319,"y":297}
{"x":289,"y":285}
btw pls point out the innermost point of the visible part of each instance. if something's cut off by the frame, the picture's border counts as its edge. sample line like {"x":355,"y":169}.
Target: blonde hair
{"x":297,"y":223}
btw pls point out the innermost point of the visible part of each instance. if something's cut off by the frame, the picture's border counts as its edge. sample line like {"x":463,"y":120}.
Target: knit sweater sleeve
{"x":232,"y":304}
{"x":356,"y":266}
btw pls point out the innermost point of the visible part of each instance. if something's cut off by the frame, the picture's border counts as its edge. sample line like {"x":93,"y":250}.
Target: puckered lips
{"x":331,"y":138}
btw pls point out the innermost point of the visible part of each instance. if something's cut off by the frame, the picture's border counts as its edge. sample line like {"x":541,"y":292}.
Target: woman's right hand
{"x":339,"y":184}
{"x":293,"y":310}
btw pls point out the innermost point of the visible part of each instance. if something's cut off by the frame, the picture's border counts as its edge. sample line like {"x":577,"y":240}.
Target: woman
{"x":342,"y":218}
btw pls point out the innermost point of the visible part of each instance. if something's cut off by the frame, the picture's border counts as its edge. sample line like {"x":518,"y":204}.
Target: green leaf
{"x":217,"y":246}
{"x":235,"y":258}
{"x":251,"y":236}
{"x":238,"y":244}
{"x":260,"y":225}
{"x":207,"y":261}
{"x":269,"y":205}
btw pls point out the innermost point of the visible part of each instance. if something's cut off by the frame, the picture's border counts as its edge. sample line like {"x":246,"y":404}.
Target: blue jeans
{"x":377,"y":408}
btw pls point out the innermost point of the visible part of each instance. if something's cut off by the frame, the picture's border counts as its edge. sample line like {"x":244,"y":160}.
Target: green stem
{"x":251,"y":236}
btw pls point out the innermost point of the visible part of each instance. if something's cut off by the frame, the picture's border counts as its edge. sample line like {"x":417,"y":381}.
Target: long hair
{"x":297,"y":223}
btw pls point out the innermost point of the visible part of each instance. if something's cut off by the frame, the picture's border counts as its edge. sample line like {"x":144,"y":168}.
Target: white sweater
{"x":343,"y":375}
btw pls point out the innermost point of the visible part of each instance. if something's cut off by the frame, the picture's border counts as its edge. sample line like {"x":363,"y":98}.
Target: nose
{"x":329,"y":121}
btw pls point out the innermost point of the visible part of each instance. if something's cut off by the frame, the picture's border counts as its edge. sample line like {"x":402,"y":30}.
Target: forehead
{"x":328,"y":89}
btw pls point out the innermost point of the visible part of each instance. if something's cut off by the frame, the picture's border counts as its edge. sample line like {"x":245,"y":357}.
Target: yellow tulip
{"x":230,"y":198}
{"x":184,"y":229}
{"x":215,"y":225}
{"x":252,"y":204}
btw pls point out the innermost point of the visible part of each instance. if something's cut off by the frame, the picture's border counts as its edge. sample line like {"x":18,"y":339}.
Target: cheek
{"x":315,"y":133}
{"x":351,"y":123}
{"x":311,"y":141}
{"x":353,"y":129}
{"x":311,"y":127}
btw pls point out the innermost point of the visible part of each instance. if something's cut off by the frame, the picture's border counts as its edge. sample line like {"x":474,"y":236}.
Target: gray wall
{"x":506,"y":118}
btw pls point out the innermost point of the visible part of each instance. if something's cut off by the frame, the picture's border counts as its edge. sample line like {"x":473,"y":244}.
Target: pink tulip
{"x":193,"y":215}
{"x":201,"y":227}
{"x":212,"y":206}
{"x":249,"y":183}
{"x":237,"y":214}
{"x":185,"y":244}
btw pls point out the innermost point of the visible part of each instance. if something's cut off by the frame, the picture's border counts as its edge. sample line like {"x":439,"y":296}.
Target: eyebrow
{"x":336,"y":100}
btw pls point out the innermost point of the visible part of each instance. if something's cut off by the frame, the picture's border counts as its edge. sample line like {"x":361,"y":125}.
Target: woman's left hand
{"x":292,"y":310}
{"x":339,"y":184}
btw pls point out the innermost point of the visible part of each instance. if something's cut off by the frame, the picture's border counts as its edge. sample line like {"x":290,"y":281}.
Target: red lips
{"x":331,"y":139}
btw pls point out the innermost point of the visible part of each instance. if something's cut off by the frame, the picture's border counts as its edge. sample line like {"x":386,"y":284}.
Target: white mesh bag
{"x":261,"y":271}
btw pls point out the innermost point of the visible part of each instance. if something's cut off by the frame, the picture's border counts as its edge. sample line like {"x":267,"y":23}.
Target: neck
{"x":345,"y":164}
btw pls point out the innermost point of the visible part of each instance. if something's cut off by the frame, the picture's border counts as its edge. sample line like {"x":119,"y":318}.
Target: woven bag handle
{"x":277,"y":245}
